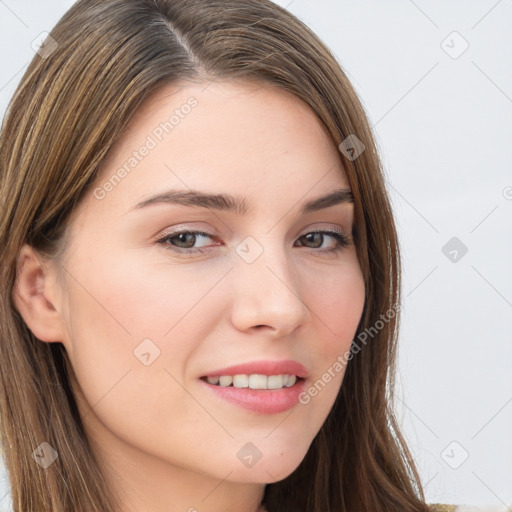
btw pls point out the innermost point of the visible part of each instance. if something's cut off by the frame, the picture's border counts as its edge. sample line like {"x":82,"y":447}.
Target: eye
{"x":183,"y":242}
{"x":318,"y":237}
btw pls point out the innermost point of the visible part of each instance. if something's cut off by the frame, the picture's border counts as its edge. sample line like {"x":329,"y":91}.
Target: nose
{"x":267,"y":295}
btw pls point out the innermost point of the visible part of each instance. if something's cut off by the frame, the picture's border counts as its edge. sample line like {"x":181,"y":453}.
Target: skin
{"x":163,"y":441}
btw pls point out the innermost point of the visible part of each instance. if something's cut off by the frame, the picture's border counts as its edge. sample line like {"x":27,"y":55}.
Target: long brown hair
{"x":74,"y":101}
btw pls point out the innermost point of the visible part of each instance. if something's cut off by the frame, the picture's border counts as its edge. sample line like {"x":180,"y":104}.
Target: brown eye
{"x":316,"y":238}
{"x":187,"y":239}
{"x":183,"y":241}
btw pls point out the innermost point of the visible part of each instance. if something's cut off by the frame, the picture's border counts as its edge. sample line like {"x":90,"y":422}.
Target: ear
{"x":35,"y":296}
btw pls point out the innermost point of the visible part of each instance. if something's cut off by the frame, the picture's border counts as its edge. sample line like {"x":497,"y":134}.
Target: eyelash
{"x":342,"y":241}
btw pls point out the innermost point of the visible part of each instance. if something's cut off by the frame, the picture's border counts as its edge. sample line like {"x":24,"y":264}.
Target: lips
{"x":254,"y":381}
{"x":285,"y":367}
{"x":264,"y":387}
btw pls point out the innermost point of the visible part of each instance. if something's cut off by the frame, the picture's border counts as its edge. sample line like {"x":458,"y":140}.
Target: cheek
{"x":128,"y":372}
{"x":127,"y":319}
{"x":338,"y":303}
{"x":140,"y":299}
{"x":336,"y":299}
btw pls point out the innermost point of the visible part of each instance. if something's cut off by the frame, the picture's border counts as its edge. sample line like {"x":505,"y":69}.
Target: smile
{"x":254,"y":381}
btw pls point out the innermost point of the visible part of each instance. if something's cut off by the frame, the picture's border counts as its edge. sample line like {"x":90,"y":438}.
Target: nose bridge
{"x":264,"y":257}
{"x":268,"y":289}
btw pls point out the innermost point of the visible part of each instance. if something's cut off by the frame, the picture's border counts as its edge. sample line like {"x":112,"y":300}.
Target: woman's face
{"x":145,"y":322}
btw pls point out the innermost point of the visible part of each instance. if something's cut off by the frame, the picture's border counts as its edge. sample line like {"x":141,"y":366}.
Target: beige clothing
{"x":438,"y":507}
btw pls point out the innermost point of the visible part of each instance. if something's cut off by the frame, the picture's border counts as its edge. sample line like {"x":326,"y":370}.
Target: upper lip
{"x":266,"y":367}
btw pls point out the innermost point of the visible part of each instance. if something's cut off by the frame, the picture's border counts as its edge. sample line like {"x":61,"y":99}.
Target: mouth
{"x":263,"y":387}
{"x":254,"y":381}
{"x":258,"y":393}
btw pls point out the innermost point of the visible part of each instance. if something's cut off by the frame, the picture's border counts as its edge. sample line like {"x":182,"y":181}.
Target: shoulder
{"x":439,"y":507}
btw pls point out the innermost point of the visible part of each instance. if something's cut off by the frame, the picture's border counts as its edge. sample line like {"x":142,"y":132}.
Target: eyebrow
{"x":226,"y":202}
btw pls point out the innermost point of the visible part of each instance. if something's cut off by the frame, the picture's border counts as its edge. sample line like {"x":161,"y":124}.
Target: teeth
{"x":275,"y":381}
{"x":225,"y":381}
{"x":254,"y":381}
{"x":241,"y":381}
{"x":291,"y":381}
{"x":258,"y":381}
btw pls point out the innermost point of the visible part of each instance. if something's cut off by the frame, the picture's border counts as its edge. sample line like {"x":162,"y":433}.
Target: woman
{"x":201,"y":268}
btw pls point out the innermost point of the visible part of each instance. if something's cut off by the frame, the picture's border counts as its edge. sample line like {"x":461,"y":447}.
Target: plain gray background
{"x":436,"y":81}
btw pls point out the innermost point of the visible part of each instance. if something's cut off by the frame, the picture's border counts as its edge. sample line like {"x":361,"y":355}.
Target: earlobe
{"x":33,"y":296}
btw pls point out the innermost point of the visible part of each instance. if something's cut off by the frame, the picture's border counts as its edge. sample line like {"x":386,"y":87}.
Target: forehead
{"x":245,"y":138}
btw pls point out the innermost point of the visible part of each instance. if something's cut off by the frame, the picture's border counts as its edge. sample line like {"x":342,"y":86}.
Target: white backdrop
{"x":436,"y":81}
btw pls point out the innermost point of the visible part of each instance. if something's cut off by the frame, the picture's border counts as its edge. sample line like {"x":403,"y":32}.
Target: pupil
{"x":182,"y":236}
{"x":310,"y":235}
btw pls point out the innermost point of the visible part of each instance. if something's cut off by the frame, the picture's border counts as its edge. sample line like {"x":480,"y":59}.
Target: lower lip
{"x":261,"y":401}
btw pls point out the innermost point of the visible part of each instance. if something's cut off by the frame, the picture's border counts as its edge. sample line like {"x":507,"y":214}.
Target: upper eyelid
{"x":343,"y":238}
{"x":329,"y":231}
{"x":314,"y":226}
{"x":213,"y":235}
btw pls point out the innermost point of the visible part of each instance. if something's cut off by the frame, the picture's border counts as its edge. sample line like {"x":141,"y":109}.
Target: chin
{"x":272,"y":469}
